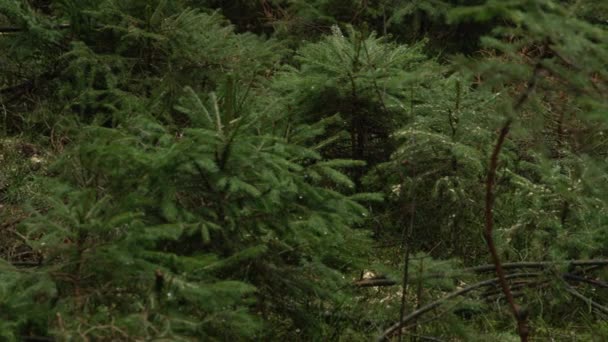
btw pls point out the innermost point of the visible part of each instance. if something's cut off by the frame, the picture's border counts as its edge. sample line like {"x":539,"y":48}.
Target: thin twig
{"x":407,"y":233}
{"x":522,"y":327}
{"x":520,"y":315}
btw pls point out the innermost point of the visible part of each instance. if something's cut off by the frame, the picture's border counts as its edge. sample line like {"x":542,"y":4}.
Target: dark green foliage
{"x":441,"y":163}
{"x":200,"y":204}
{"x":363,"y":80}
{"x":244,"y":170}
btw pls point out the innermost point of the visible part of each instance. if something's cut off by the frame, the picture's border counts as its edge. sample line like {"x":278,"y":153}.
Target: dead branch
{"x":532,"y":264}
{"x":537,"y":265}
{"x":378,"y":281}
{"x":522,"y":325}
{"x":596,"y":283}
{"x":588,"y":301}
{"x":426,"y":308}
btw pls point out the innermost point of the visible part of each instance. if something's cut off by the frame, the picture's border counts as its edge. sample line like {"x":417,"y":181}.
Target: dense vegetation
{"x":293,"y":170}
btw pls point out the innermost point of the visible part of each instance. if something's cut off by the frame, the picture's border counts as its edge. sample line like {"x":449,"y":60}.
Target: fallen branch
{"x":426,"y":308}
{"x":587,"y":300}
{"x":371,"y":282}
{"x":537,"y":265}
{"x":597,"y":283}
{"x":426,"y":338}
{"x":534,"y":264}
{"x":518,"y":290}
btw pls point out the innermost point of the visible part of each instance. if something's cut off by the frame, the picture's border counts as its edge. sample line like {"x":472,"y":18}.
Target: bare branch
{"x":371,"y":282}
{"x":537,"y":265}
{"x":520,"y":317}
{"x":522,"y":326}
{"x":588,"y":301}
{"x":426,"y":308}
{"x":596,"y":283}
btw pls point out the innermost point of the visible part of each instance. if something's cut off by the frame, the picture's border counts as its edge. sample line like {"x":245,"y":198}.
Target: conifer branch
{"x":29,"y":84}
{"x":15,"y":29}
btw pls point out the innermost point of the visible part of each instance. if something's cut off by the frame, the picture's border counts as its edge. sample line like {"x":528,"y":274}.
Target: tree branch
{"x":534,"y":264}
{"x":520,"y":316}
{"x":596,"y":283}
{"x":426,"y":308}
{"x":538,"y":265}
{"x":371,"y":282}
{"x":522,"y":326}
{"x":588,"y":301}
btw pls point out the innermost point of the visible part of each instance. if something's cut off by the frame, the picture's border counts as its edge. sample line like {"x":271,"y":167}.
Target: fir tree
{"x":192,"y":170}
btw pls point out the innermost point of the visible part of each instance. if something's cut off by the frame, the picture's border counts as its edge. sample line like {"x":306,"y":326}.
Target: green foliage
{"x":361,"y":78}
{"x":213,"y":170}
{"x":231,"y":196}
{"x":440,"y":162}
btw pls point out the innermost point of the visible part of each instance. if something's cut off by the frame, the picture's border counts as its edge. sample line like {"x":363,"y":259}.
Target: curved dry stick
{"x":415,"y":314}
{"x":520,"y":315}
{"x":522,"y":325}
